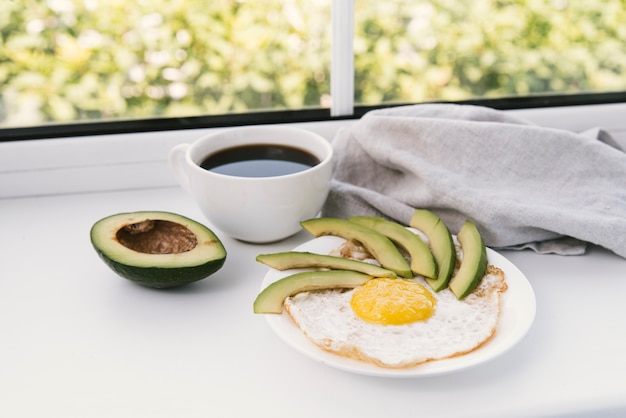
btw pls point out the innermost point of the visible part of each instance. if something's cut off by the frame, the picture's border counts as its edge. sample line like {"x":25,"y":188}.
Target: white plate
{"x":517,"y":315}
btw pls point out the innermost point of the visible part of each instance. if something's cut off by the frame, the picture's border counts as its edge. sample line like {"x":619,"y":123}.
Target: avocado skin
{"x":441,"y":244}
{"x":270,"y":300}
{"x":163,"y":278}
{"x":474,"y":263}
{"x":296,"y":259}
{"x":207,"y":257}
{"x":378,"y":245}
{"x":422,"y":260}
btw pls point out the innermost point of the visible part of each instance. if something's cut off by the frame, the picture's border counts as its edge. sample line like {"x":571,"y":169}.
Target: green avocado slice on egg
{"x":295,"y":259}
{"x":441,"y":244}
{"x":474,"y":263}
{"x":157,"y":249}
{"x":422,"y":260}
{"x":378,"y":245}
{"x":271,"y":299}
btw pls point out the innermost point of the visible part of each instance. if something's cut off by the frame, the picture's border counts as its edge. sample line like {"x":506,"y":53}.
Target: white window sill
{"x":135,"y":161}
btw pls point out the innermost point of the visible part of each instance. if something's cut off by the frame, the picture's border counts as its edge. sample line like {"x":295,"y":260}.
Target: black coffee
{"x":262,"y":160}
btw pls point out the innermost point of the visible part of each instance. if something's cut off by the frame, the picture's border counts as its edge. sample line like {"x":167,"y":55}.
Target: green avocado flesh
{"x":295,"y":259}
{"x":441,"y":245}
{"x":422,"y":260}
{"x":378,"y":245}
{"x":157,"y":249}
{"x":271,"y":299}
{"x":474,"y":263}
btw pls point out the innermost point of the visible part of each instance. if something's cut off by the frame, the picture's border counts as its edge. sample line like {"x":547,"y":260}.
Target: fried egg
{"x":399,"y":323}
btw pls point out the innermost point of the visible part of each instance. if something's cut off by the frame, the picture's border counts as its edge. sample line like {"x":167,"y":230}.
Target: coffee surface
{"x":259,"y":160}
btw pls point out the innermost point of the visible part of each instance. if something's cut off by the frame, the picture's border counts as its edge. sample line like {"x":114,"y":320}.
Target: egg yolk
{"x":392,"y":302}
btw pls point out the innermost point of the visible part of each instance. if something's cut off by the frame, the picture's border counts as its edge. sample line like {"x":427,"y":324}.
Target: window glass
{"x":85,"y":60}
{"x":424,"y":50}
{"x":64,"y":61}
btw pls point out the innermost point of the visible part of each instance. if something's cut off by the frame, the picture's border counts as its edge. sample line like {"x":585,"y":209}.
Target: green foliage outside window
{"x":66,"y":60}
{"x":459,"y":49}
{"x":77,"y":60}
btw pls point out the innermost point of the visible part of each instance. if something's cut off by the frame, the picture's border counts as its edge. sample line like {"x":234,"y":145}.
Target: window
{"x":81,"y":60}
{"x":80,"y":66}
{"x":415,"y":51}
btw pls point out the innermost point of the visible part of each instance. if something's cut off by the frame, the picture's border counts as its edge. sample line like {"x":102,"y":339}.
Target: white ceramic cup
{"x":255,"y":209}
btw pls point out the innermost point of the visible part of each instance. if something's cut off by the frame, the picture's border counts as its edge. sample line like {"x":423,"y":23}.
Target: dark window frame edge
{"x":99,"y":128}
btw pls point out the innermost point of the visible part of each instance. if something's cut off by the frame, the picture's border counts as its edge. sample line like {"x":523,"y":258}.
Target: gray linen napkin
{"x":525,"y":186}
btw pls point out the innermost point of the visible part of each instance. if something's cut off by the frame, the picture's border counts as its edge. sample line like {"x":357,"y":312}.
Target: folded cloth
{"x":525,"y":186}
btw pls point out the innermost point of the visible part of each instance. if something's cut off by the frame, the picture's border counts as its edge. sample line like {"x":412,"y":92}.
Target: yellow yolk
{"x":392,"y":302}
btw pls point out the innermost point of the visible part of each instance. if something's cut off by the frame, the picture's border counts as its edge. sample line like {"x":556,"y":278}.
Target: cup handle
{"x":177,"y":160}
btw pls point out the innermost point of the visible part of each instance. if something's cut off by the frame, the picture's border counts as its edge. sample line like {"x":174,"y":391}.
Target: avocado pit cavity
{"x":157,"y":237}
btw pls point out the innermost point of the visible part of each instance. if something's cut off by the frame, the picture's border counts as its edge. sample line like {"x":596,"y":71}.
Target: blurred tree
{"x":412,"y":51}
{"x":72,"y":60}
{"x":76,"y":60}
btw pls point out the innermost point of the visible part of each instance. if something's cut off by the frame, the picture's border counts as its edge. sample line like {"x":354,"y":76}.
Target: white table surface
{"x":78,"y":341}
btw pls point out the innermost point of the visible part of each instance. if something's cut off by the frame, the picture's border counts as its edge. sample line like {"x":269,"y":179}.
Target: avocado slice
{"x":474,"y":263}
{"x":294,"y":259}
{"x":422,"y":260}
{"x":157,"y":249}
{"x":271,"y":299}
{"x":378,"y":245}
{"x":441,"y":245}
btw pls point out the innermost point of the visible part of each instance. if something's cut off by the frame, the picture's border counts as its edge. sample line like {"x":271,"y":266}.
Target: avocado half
{"x":157,"y":249}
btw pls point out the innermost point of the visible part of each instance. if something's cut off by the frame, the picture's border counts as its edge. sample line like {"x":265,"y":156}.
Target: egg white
{"x":456,"y":327}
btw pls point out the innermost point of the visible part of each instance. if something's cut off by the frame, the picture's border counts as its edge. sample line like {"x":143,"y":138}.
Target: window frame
{"x":282,"y":116}
{"x":342,"y":75}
